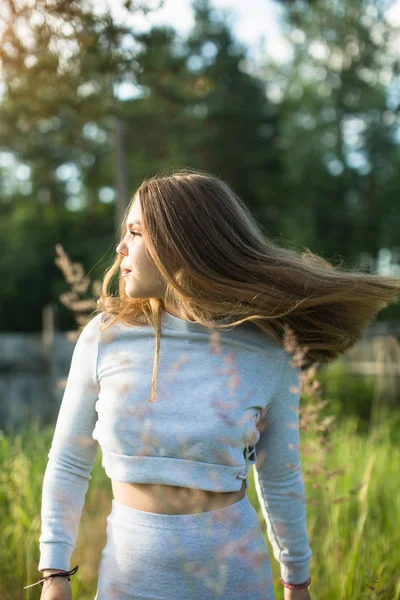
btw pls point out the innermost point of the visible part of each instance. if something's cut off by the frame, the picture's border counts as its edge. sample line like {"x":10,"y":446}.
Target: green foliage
{"x":27,"y":269}
{"x":200,"y":102}
{"x":333,"y":85}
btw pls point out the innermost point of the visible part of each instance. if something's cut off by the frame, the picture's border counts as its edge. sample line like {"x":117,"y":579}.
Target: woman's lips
{"x":125,"y":272}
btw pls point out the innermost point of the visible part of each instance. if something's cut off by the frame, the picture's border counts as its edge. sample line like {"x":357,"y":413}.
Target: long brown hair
{"x":217,"y":262}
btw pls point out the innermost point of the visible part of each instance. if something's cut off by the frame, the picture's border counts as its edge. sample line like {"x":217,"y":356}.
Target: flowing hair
{"x":217,"y":263}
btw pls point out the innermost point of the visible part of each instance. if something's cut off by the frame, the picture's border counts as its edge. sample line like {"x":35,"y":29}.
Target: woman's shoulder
{"x":102,"y":322}
{"x":90,"y":330}
{"x":95,"y":321}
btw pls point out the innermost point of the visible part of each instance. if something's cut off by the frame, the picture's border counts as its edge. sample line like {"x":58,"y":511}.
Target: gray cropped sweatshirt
{"x":225,"y":399}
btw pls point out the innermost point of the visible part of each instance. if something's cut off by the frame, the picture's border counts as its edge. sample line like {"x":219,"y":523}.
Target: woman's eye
{"x":134,"y":233}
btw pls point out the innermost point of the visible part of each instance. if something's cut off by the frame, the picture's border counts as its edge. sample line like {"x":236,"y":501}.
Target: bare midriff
{"x":171,"y":499}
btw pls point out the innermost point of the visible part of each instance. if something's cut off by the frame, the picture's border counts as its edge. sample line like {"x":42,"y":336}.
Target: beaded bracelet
{"x":57,"y":574}
{"x":296,"y":586}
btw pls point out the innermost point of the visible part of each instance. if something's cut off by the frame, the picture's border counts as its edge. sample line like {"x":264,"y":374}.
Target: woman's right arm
{"x":71,"y":457}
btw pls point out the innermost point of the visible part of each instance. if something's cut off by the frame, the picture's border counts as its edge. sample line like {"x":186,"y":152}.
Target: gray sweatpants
{"x":217,"y":554}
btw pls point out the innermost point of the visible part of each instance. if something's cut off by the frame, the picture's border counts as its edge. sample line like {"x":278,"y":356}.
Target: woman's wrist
{"x":297,"y":591}
{"x":303,"y":594}
{"x":52,"y":580}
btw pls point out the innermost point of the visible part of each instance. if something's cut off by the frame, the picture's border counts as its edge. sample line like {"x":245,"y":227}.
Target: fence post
{"x":48,"y":340}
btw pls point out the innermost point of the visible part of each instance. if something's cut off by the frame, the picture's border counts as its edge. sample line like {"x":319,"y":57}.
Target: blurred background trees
{"x":311,"y":144}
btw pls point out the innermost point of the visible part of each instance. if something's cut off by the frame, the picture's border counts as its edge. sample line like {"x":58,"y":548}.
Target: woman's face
{"x":142,"y":278}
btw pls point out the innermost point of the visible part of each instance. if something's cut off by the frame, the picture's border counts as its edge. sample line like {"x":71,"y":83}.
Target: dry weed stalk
{"x":75,"y":276}
{"x":371,"y":586}
{"x":318,"y":445}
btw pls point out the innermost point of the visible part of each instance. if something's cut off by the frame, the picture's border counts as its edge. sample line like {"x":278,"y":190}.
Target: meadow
{"x":351,"y":473}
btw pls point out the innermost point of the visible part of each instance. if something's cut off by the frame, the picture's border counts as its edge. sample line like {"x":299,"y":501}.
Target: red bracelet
{"x":296,"y":586}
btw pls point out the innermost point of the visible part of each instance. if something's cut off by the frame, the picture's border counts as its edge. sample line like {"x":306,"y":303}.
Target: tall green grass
{"x":352,"y":517}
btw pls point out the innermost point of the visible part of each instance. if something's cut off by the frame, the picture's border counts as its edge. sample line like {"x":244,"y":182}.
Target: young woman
{"x":179,"y":427}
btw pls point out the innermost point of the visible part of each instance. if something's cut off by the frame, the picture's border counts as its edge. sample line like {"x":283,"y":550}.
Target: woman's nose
{"x":121,"y":248}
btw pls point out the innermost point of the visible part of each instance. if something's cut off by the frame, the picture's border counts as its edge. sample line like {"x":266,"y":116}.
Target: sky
{"x":254,"y":22}
{"x":257,"y":23}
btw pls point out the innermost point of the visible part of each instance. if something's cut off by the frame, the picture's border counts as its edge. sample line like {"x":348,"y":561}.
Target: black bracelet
{"x":58,"y":574}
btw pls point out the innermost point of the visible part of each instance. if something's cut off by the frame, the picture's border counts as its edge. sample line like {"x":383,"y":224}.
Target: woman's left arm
{"x":278,"y":479}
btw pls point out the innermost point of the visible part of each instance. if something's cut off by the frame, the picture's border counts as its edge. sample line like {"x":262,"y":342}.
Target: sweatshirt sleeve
{"x":71,"y":456}
{"x":278,"y":476}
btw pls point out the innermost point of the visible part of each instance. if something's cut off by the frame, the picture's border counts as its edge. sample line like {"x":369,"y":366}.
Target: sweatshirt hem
{"x":55,"y":555}
{"x":295,"y":574}
{"x":173,"y":471}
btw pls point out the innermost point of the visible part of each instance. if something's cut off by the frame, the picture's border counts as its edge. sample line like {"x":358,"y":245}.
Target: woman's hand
{"x":303,"y":594}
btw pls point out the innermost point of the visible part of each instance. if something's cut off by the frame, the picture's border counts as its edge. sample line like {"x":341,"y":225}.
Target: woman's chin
{"x":133,"y":292}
